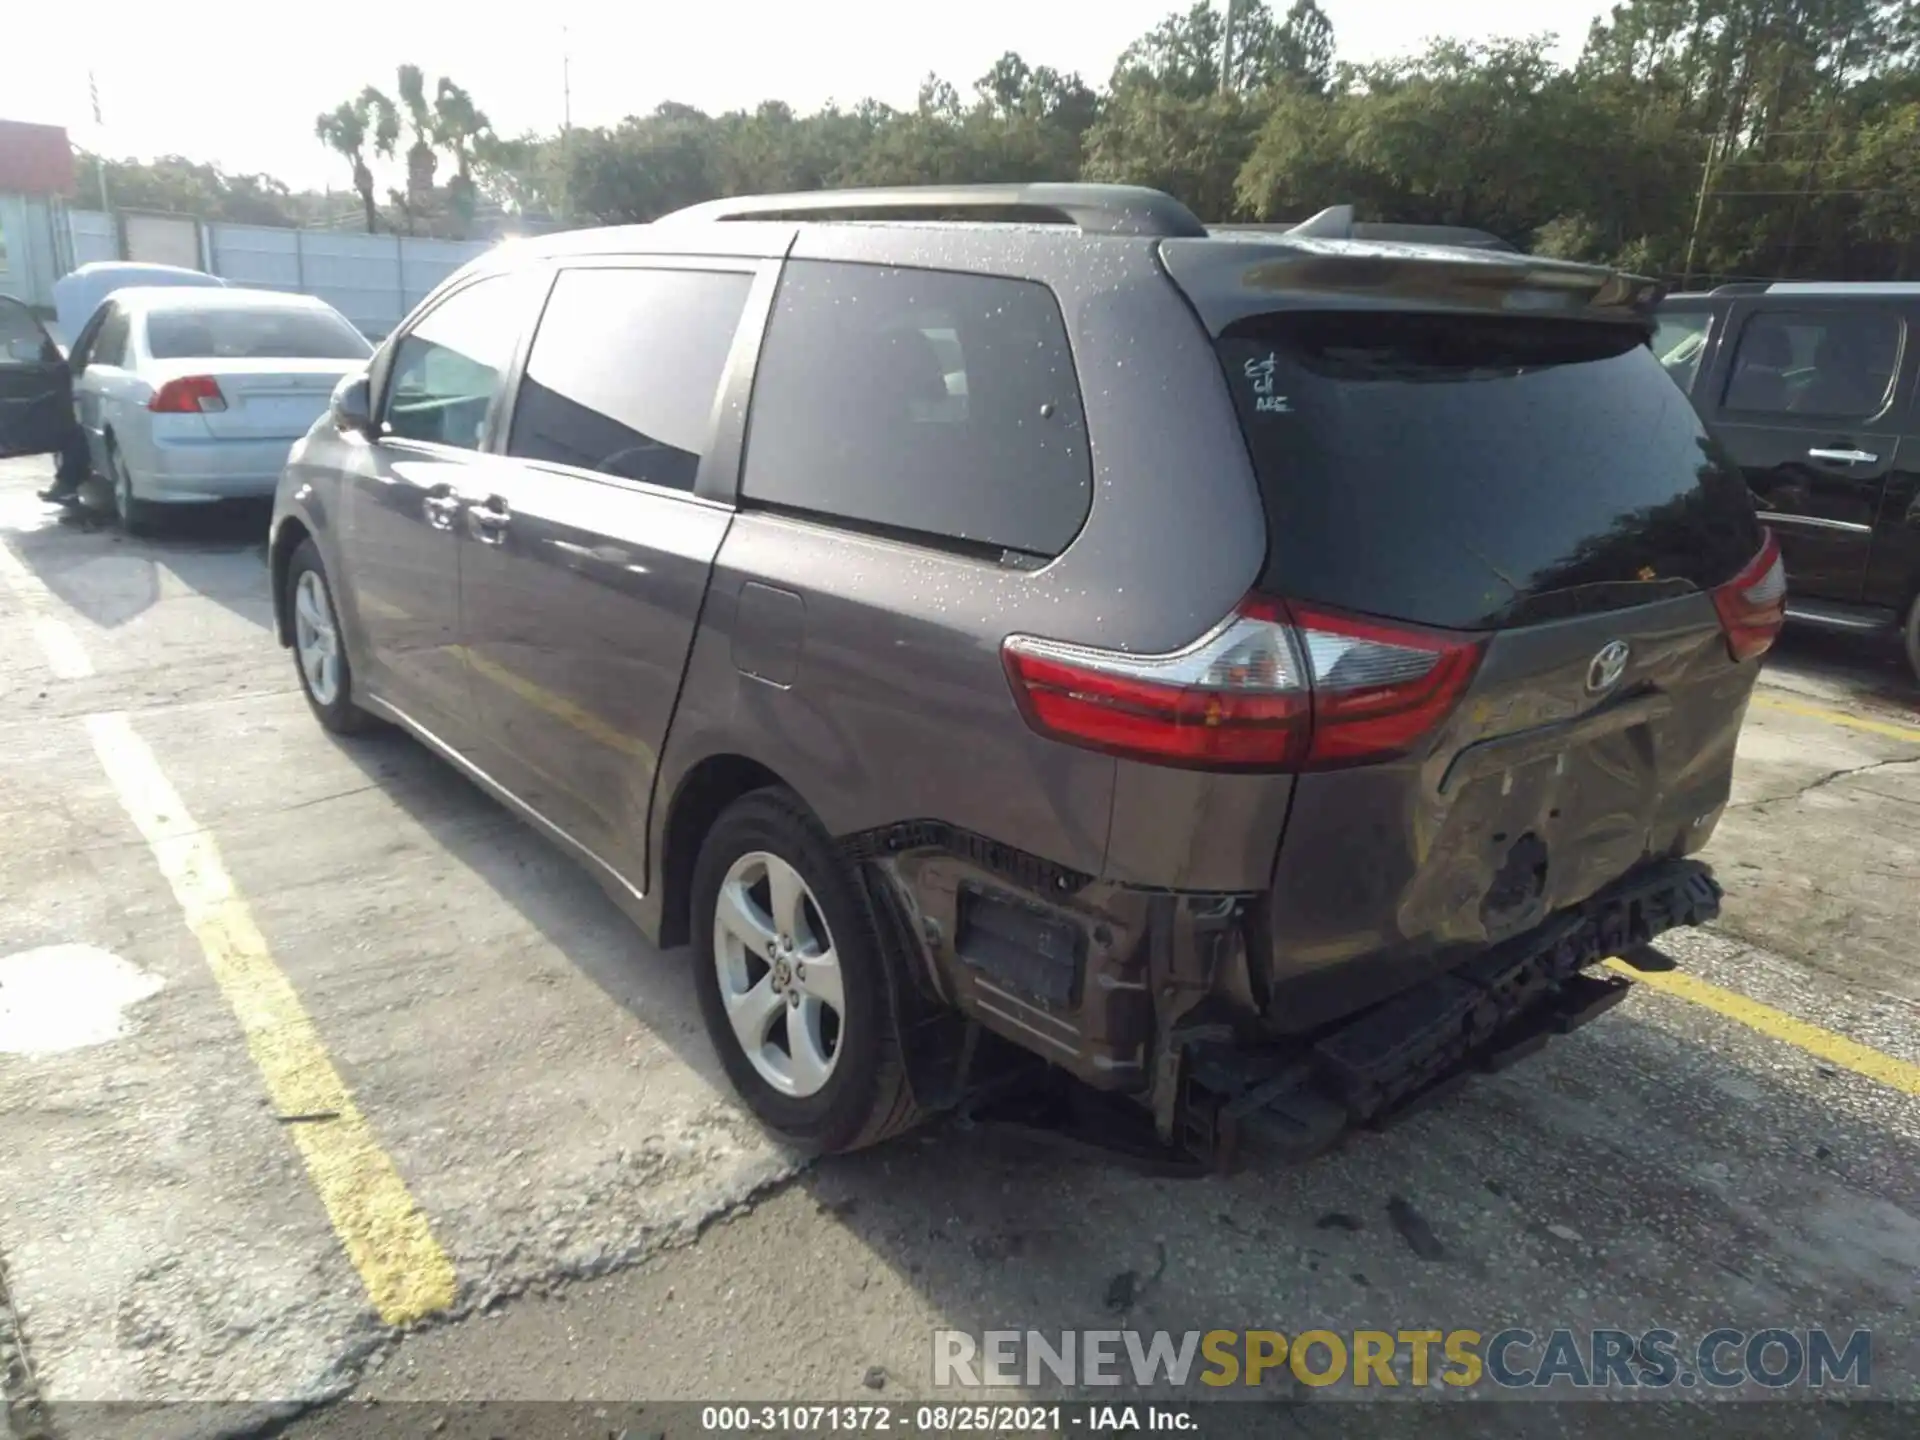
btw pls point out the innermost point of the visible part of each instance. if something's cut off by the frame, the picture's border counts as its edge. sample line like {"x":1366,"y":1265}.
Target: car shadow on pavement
{"x":111,"y":578}
{"x":1864,"y":667}
{"x":546,"y":887}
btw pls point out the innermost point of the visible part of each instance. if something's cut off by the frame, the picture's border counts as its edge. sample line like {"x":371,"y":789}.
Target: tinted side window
{"x":1837,"y":363}
{"x":624,"y":370}
{"x":922,"y":401}
{"x":447,"y":368}
{"x":110,"y":346}
{"x":1679,"y":342}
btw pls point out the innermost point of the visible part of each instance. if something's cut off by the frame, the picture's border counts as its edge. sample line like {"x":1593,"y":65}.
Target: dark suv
{"x":1255,"y":676}
{"x":1814,"y":390}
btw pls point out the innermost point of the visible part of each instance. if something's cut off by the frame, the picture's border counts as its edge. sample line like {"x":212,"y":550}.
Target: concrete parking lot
{"x":321,"y":1075}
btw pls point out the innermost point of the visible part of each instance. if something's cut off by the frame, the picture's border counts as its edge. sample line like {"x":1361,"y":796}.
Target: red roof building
{"x":35,"y":159}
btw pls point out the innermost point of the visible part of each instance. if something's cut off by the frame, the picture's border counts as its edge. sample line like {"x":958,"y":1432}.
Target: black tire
{"x":136,"y":516}
{"x":867,"y":1099}
{"x":1910,"y":638}
{"x":340,"y":715}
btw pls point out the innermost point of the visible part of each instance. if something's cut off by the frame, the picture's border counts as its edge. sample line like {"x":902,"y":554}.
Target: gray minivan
{"x":1013,"y":627}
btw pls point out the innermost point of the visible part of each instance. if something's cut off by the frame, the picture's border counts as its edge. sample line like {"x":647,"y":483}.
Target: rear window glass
{"x":920,"y":401}
{"x":1471,"y":473}
{"x":229,"y":334}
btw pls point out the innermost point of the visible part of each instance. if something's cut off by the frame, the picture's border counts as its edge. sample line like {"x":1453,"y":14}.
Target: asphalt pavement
{"x":322,"y":1076}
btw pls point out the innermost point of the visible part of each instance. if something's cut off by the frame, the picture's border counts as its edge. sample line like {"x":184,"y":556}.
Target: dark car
{"x":1254,"y":676}
{"x":1812,"y":390}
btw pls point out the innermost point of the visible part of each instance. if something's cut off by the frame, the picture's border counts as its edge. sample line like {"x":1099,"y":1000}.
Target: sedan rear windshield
{"x":1477,"y":472}
{"x":265,"y":334}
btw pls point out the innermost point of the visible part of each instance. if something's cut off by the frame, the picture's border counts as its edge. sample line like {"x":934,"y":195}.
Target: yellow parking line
{"x":406,"y":1273}
{"x":1840,"y":717}
{"x":1838,"y":1050}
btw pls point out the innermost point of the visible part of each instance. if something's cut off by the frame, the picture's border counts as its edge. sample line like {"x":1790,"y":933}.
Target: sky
{"x":198,"y":81}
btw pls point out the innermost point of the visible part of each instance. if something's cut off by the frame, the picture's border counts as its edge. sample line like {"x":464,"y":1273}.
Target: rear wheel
{"x":1910,"y":637}
{"x":319,"y":649}
{"x":790,"y":972}
{"x":135,"y":515}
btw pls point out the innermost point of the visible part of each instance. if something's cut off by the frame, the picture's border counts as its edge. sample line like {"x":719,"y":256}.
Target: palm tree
{"x":421,"y":161}
{"x":345,"y":130}
{"x":461,"y":127}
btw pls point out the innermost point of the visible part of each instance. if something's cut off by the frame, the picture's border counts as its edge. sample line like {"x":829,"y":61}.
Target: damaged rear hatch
{"x":1473,"y":468}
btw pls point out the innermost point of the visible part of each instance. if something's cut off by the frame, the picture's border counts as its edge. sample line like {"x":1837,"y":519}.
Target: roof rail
{"x":1095,"y":209}
{"x":1742,"y":287}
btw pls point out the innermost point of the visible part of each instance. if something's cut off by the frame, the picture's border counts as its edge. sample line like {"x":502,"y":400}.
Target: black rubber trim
{"x":1490,"y":1005}
{"x":1042,"y":877}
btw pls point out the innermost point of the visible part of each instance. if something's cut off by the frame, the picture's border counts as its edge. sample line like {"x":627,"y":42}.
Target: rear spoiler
{"x":1228,"y":282}
{"x":1336,"y":222}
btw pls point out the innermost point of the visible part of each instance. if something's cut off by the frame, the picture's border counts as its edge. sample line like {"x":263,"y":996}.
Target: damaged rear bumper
{"x":1482,"y":1016}
{"x":1153,"y":994}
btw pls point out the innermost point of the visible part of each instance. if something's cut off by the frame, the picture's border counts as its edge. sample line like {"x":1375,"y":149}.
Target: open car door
{"x":36,"y":385}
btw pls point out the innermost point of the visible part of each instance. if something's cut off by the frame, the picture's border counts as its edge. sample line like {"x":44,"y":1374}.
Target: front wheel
{"x":790,"y":972}
{"x":319,"y":649}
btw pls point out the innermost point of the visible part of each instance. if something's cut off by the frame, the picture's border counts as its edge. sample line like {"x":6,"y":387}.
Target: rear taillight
{"x":1268,"y":689}
{"x":1379,"y":687}
{"x":188,"y":395}
{"x":1753,"y":604}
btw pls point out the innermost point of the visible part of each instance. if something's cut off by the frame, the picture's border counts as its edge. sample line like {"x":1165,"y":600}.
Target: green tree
{"x":421,"y":160}
{"x":1303,"y":50}
{"x":1193,"y":147}
{"x":349,"y":128}
{"x":188,"y":187}
{"x":463,"y":130}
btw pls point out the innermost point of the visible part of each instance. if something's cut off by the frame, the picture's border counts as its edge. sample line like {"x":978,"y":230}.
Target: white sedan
{"x":189,"y":395}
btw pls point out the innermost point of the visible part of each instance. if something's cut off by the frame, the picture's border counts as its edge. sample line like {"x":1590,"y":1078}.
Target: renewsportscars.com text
{"x":1513,"y":1358}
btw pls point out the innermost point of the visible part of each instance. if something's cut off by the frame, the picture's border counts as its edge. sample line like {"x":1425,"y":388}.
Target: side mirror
{"x":352,"y":405}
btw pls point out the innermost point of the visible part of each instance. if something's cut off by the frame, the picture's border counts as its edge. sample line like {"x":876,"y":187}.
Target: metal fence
{"x":95,"y":237}
{"x":374,"y":280}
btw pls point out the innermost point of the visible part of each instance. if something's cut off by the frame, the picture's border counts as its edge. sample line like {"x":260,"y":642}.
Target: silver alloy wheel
{"x":316,"y":639}
{"x":780,"y":978}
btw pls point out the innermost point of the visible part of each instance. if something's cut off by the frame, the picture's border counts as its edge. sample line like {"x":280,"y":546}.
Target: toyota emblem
{"x":1606,"y":668}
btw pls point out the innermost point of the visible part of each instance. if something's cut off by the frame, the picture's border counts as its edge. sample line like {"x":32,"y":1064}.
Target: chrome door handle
{"x":487,"y":520}
{"x":441,"y":510}
{"x":1843,"y":457}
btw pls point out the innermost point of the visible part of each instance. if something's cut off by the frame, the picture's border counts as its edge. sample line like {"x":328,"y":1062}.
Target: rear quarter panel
{"x":897,"y":707}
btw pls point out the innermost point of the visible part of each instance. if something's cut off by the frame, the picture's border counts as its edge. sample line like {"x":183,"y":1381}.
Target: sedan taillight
{"x":188,"y":395}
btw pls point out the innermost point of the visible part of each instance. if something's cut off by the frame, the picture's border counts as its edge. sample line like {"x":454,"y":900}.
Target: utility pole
{"x":1699,"y":207}
{"x":566,"y":124}
{"x":1226,"y":49}
{"x":100,"y":143}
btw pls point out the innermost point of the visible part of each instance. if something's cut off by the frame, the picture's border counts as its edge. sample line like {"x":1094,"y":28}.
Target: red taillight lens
{"x":188,"y":395}
{"x":1266,"y":690}
{"x":1237,"y":698}
{"x":1378,"y":687}
{"x":1753,"y":604}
